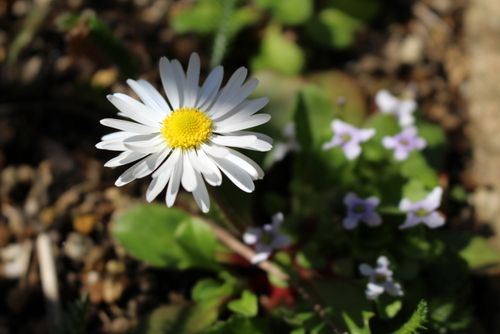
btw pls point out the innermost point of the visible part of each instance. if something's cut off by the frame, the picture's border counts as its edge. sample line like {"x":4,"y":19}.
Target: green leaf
{"x":333,"y":29}
{"x":480,"y":253}
{"x":417,"y":320}
{"x":247,"y":305}
{"x":198,"y":243}
{"x":209,"y":289}
{"x":203,"y":18}
{"x":165,"y":237}
{"x":290,"y":12}
{"x":354,"y":328}
{"x":278,"y":53}
{"x":392,"y":309}
{"x":175,"y":319}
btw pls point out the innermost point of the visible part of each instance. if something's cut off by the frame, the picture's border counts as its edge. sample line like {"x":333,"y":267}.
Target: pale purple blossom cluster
{"x":423,"y":211}
{"x":348,"y":138}
{"x":380,"y":279}
{"x":404,"y":143}
{"x":402,"y":109}
{"x":266,"y":239}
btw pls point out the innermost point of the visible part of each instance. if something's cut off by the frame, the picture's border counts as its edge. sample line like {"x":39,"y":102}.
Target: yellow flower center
{"x":186,"y":128}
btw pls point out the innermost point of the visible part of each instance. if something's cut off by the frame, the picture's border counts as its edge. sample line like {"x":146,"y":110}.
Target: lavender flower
{"x":266,"y":238}
{"x":403,"y":109}
{"x":348,"y":138}
{"x":359,"y":209}
{"x":423,"y":211}
{"x":380,"y":279}
{"x":404,"y":143}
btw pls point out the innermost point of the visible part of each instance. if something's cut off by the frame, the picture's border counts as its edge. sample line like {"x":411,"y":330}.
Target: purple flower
{"x":348,"y":138}
{"x":380,"y":279}
{"x":423,"y":211}
{"x":359,"y":209}
{"x":404,"y":143}
{"x":266,"y":238}
{"x":403,"y":109}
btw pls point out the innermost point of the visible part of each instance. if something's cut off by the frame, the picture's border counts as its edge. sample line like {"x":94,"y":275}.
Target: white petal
{"x":237,"y":175}
{"x":200,"y":194}
{"x":231,"y":88}
{"x":117,"y":135}
{"x":214,"y":150}
{"x":210,"y":88}
{"x":250,"y":122}
{"x":124,"y":158}
{"x":128,"y":126}
{"x":244,"y":141}
{"x":252,"y":235}
{"x":180,"y":79}
{"x":173,"y":185}
{"x":188,"y":179}
{"x":151,"y":163}
{"x":386,"y":102}
{"x":135,"y":110}
{"x":214,"y":177}
{"x":111,"y":145}
{"x":128,"y":175}
{"x":169,"y":83}
{"x":239,"y":96}
{"x":145,"y":143}
{"x":150,"y":96}
{"x":245,"y":163}
{"x":260,"y":256}
{"x":192,"y":78}
{"x":244,"y":110}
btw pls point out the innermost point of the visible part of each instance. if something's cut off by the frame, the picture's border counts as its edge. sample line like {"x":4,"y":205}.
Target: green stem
{"x":221,"y":38}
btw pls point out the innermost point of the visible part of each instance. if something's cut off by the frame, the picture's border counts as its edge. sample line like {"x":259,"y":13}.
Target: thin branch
{"x":243,"y":250}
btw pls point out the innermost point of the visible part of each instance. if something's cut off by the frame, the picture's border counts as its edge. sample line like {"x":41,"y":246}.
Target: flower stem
{"x":221,"y":38}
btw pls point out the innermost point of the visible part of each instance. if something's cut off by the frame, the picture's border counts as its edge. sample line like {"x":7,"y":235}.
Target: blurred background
{"x":59,"y":59}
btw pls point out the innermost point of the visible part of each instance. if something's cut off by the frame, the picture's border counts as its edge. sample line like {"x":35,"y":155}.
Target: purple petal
{"x":365,"y":134}
{"x":434,"y":220}
{"x":394,"y":289}
{"x":401,"y":153}
{"x":366,"y":269}
{"x":389,"y":142}
{"x":373,"y":290}
{"x":383,"y":262}
{"x":350,"y":222}
{"x":373,"y":201}
{"x":373,"y":219}
{"x":433,"y":200}
{"x":352,"y":150}
{"x":350,"y":199}
{"x":411,"y":221}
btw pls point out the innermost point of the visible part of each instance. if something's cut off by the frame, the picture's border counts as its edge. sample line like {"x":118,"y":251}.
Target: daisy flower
{"x":380,"y":279}
{"x":348,"y":138}
{"x":403,"y":109}
{"x":266,"y":238}
{"x":185,"y":140}
{"x":424,"y":211}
